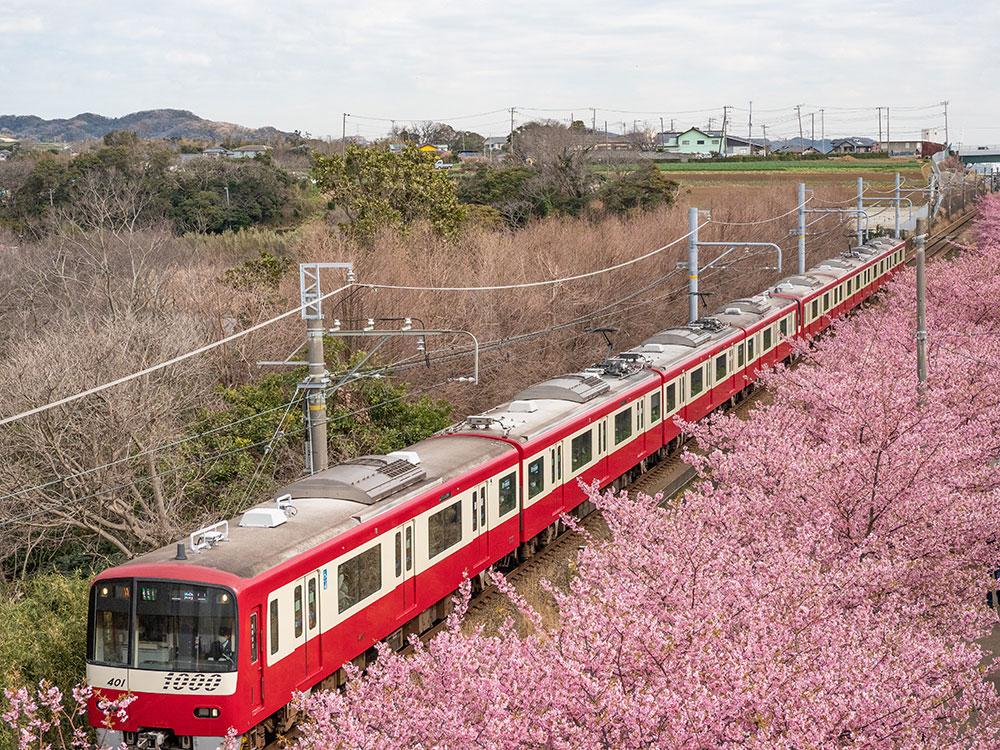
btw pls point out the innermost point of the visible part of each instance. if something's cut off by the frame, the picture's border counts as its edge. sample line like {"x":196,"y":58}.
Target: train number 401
{"x":116,"y":682}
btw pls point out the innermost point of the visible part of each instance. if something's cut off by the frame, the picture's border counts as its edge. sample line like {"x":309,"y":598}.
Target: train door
{"x":256,"y":663}
{"x":479,"y":524}
{"x":314,"y":654}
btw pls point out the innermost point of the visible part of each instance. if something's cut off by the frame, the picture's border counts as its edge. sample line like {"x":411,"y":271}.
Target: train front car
{"x":173,"y":644}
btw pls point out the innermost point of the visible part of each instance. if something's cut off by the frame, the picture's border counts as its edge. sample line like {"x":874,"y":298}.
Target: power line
{"x":169,"y":362}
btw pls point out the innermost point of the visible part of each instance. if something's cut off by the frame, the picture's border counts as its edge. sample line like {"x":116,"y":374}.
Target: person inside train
{"x":222,"y":647}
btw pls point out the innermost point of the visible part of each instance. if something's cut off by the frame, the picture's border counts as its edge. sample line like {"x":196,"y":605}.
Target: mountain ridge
{"x":150,"y":123}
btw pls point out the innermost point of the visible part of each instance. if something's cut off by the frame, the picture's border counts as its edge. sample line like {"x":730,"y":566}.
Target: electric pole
{"x":798,"y":110}
{"x":888,"y":138}
{"x":812,"y":133}
{"x":822,"y":129}
{"x":512,"y":131}
{"x":920,"y":241}
{"x":945,"y":122}
{"x":879,"y":125}
{"x":722,"y":141}
{"x":343,"y":135}
{"x":750,"y":121}
{"x":764,"y":127}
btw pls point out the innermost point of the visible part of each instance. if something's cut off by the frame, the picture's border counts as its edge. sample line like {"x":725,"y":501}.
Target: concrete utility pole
{"x":812,"y":132}
{"x":750,"y":121}
{"x":722,"y":140}
{"x":888,"y":138}
{"x":343,"y":135}
{"x":861,"y":209}
{"x":896,"y":235}
{"x":879,"y":125}
{"x":512,"y":131}
{"x":945,"y":122}
{"x":693,"y":264}
{"x":802,"y":228}
{"x":802,"y":145}
{"x":822,"y":129}
{"x":764,"y":127}
{"x":920,"y":241}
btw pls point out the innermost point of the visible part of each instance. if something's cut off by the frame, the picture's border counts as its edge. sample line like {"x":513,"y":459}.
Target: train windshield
{"x":177,"y":626}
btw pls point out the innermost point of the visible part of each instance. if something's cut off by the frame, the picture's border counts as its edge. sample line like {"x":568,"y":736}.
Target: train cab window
{"x":740,"y":354}
{"x":696,"y":381}
{"x":311,"y":602}
{"x":765,"y":344}
{"x":654,"y":408}
{"x":623,"y":426}
{"x":111,"y":612}
{"x":361,"y":576}
{"x":720,"y":367}
{"x":581,"y":450}
{"x":180,"y":627}
{"x":272,"y":627}
{"x":399,"y":554}
{"x":671,"y":391}
{"x":297,"y":609}
{"x":508,"y":494}
{"x":536,"y":477}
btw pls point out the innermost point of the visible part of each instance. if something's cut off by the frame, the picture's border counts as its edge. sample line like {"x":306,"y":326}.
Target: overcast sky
{"x":300,"y":64}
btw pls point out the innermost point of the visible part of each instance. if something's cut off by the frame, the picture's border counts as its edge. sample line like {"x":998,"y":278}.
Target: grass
{"x":804,"y":165}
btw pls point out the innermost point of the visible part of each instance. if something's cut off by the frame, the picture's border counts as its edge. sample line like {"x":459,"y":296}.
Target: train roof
{"x":832,"y":269}
{"x":556,"y":402}
{"x":334,"y":501}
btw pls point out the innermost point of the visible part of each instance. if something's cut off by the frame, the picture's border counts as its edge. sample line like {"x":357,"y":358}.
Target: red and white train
{"x":217,"y":632}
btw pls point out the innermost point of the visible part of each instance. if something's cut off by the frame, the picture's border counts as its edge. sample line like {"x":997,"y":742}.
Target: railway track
{"x":939,"y":244}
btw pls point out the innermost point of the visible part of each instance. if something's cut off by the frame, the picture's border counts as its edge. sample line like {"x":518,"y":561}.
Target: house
{"x":495,"y":144}
{"x":248,"y":152}
{"x":853,"y":145}
{"x":693,"y":141}
{"x":215,"y":152}
{"x":4,"y":155}
{"x":736,"y":146}
{"x":396,"y":148}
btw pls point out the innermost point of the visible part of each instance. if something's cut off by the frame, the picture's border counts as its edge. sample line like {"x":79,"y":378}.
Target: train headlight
{"x":204,"y":712}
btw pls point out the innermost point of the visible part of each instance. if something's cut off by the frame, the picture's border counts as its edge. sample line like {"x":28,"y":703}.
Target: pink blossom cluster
{"x":42,"y":720}
{"x":823,"y":586}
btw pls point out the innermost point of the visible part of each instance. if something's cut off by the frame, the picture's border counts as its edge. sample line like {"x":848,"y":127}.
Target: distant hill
{"x":153,"y":123}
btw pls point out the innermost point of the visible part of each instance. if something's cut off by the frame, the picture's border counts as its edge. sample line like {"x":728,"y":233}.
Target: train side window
{"x":623,"y":426}
{"x":654,"y":408}
{"x":559,"y":462}
{"x":508,"y":494}
{"x":720,"y":368}
{"x":482,"y":508}
{"x":399,"y":554}
{"x":815,"y":309}
{"x":536,"y":477}
{"x":272,"y":627}
{"x":739,"y":356}
{"x":671,"y":398}
{"x":581,"y":450}
{"x":826,"y":302}
{"x":750,"y":349}
{"x":254,"y":638}
{"x":409,"y":547}
{"x":444,"y":529}
{"x":600,"y":444}
{"x":311,"y":602}
{"x":297,"y":609}
{"x":696,"y":380}
{"x":475,"y":511}
{"x":361,"y":576}
{"x":765,"y":344}
{"x":783,"y":326}
{"x":552,"y":469}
